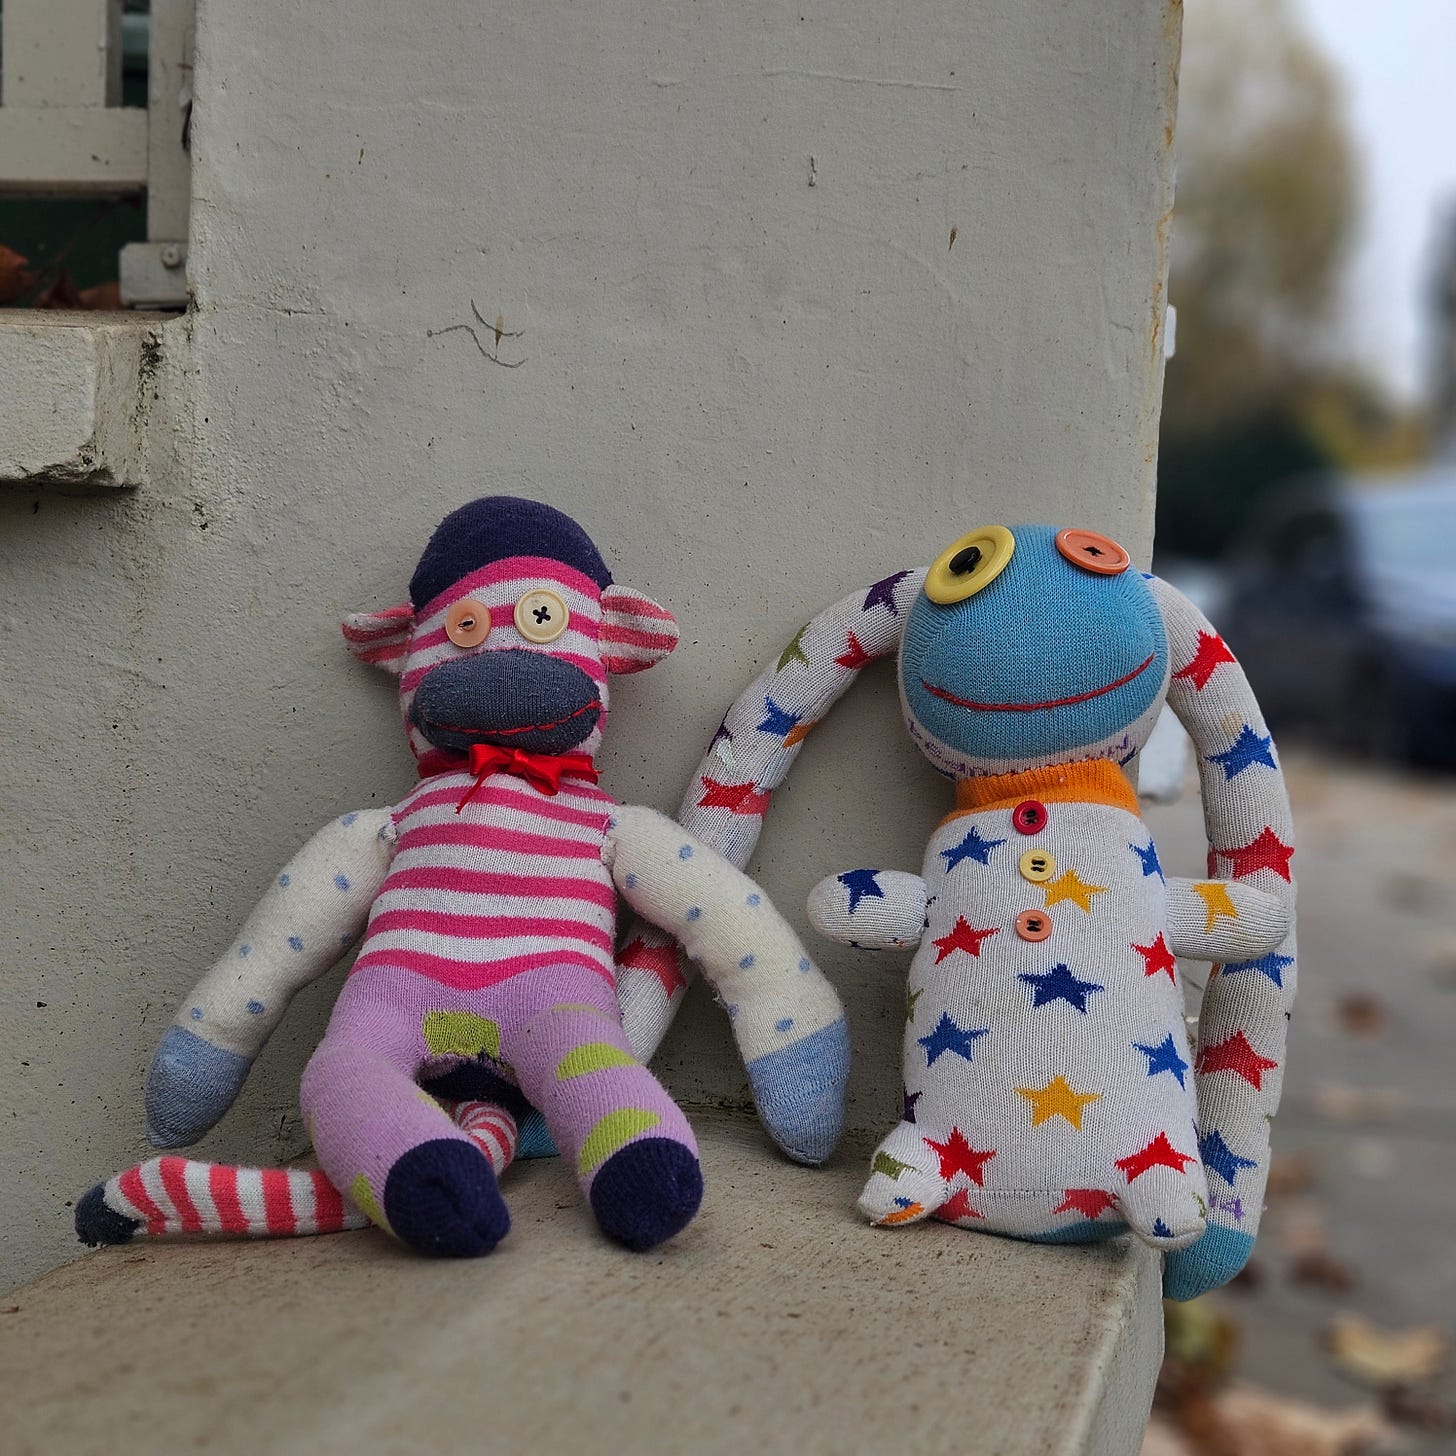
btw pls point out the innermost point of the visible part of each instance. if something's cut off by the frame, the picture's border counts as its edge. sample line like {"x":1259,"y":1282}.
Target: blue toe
{"x":98,"y":1223}
{"x":799,"y":1092}
{"x":190,"y":1085}
{"x":533,"y":1140}
{"x":646,"y":1192}
{"x":441,"y":1198}
{"x":1207,"y":1263}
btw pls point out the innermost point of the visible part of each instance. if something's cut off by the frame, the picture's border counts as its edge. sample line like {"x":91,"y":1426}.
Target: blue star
{"x":776,"y":720}
{"x":1059,"y":984}
{"x":1161,"y":1229}
{"x":1218,"y":1156}
{"x":860,"y":883}
{"x":1247,"y":749}
{"x":1164,"y":1058}
{"x":1149,"y":857}
{"x":1272,"y":965}
{"x":911,"y":1098}
{"x":883,"y":592}
{"x":971,"y":847}
{"x":948,"y":1037}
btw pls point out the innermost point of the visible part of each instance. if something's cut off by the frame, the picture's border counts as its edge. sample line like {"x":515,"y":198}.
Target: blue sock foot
{"x":799,"y":1092}
{"x":442,"y":1198}
{"x":1207,"y":1263}
{"x":647,"y":1192}
{"x":98,"y":1223}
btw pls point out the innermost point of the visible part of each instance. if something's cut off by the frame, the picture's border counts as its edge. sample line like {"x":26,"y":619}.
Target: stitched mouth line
{"x":950,"y":697}
{"x":524,"y":727}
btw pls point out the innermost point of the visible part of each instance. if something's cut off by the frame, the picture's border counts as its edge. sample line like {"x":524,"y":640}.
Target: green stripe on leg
{"x":592,"y":1056}
{"x":611,"y":1132}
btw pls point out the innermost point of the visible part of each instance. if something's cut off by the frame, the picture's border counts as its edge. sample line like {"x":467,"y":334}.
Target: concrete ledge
{"x":74,"y":404}
{"x":777,"y":1322}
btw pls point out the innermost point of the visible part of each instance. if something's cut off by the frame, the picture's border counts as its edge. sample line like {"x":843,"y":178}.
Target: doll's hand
{"x":870,"y":909}
{"x":190,"y":1085}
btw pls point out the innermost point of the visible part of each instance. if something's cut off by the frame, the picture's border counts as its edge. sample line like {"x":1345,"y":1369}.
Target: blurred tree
{"x":1267,"y":202}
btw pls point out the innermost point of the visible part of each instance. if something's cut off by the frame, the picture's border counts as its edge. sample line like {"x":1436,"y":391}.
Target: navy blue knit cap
{"x":493,"y":528}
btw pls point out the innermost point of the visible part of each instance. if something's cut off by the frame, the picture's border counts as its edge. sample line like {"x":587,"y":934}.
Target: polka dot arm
{"x":752,"y":752}
{"x":309,"y":917}
{"x":1244,"y":1019}
{"x":870,"y":909}
{"x":786,"y":1017}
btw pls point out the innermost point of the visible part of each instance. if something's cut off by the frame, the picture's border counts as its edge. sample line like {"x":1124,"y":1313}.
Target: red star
{"x":660,"y":960}
{"x":740,"y":798}
{"x":1267,"y":852}
{"x":957,"y":1206}
{"x":962,"y":937}
{"x":1237,"y":1056}
{"x":1157,"y":957}
{"x":958,"y":1156}
{"x":1211,"y":655}
{"x":854,"y":656}
{"x":1159,"y":1153}
{"x":1089,"y":1202}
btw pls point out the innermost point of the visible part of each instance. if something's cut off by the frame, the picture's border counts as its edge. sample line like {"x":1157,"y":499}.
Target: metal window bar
{"x":63,"y":131}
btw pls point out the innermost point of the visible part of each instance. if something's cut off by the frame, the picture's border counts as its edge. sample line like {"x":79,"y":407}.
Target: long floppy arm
{"x":750,"y":755}
{"x":1243,"y":1024}
{"x":309,"y":916}
{"x":787,"y":1019}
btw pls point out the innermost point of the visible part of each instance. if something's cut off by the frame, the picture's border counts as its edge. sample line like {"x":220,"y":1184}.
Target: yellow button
{"x":969,"y":563}
{"x":1037,"y":866}
{"x":541,"y":616}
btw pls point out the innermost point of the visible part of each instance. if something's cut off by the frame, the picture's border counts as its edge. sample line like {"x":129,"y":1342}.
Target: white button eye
{"x":541,"y":616}
{"x":467,"y":623}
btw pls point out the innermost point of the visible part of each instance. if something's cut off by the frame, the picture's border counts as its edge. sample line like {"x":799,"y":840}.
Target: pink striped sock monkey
{"x":488,"y":963}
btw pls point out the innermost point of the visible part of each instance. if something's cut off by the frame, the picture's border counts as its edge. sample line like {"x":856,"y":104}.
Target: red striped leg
{"x":182,"y":1196}
{"x":492,"y":1129}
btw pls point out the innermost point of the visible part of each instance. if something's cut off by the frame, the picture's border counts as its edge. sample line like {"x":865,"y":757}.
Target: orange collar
{"x":1097,"y":781}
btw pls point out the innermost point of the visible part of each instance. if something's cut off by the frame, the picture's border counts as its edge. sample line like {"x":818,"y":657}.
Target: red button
{"x":1033,"y":925}
{"x":1029,"y":816}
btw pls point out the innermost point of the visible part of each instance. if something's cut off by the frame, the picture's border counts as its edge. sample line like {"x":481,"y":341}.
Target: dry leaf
{"x":1290,"y":1174}
{"x":15,"y":277}
{"x":1256,"y":1422}
{"x":1361,"y":1014}
{"x":1381,"y":1358}
{"x":1420,"y":1410}
{"x":63,"y":293}
{"x":104,"y":295}
{"x":1322,"y":1270}
{"x":1162,"y":1438}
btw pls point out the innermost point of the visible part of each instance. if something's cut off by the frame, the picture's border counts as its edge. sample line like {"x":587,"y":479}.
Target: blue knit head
{"x":495,"y":528}
{"x":1051,"y":656}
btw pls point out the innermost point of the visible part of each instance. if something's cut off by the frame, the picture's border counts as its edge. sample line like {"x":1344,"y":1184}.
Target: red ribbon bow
{"x":543,"y":771}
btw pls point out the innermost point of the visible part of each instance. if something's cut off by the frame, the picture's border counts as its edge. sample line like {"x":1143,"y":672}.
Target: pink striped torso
{"x":514,"y":882}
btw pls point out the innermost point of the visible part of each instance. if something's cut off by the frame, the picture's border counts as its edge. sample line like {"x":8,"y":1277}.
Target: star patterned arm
{"x":307,"y":919}
{"x":869,"y":909}
{"x":749,"y":757}
{"x":1223,"y":920}
{"x":787,"y":1019}
{"x":1243,"y":1023}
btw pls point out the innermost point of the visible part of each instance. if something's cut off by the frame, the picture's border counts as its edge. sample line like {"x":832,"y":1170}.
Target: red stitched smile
{"x":1032,"y":707}
{"x":524,"y":727}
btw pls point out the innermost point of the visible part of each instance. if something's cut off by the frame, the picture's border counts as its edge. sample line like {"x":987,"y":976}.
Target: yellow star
{"x":1215,"y":897}
{"x":1057,"y":1099}
{"x":1069,"y":887}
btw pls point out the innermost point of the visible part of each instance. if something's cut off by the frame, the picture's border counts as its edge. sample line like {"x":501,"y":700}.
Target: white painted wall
{"x":760,"y":380}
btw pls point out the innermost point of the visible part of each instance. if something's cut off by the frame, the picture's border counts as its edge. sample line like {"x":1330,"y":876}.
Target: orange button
{"x":1098,"y":554}
{"x":467,"y":623}
{"x":1033,"y":925}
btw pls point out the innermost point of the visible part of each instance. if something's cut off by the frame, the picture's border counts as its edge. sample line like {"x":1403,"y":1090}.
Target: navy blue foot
{"x":441,"y":1198}
{"x":98,"y":1223}
{"x":647,"y":1192}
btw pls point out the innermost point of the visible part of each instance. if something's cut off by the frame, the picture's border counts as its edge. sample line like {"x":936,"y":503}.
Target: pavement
{"x":1362,"y":1207}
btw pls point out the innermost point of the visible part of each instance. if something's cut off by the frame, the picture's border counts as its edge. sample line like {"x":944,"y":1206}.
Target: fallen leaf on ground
{"x":1163,"y":1438}
{"x":1291,"y":1173}
{"x":15,"y":277}
{"x":1246,"y":1421}
{"x":1361,"y":1014}
{"x":1341,"y":1102}
{"x":1323,"y":1270}
{"x":1419,"y":1409}
{"x":1381,"y":1358}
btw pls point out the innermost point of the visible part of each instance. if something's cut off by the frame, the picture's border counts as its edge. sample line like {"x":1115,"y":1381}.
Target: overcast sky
{"x":1399,"y":59}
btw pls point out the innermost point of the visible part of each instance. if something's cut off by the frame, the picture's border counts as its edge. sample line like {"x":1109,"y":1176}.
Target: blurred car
{"x":1340,"y":601}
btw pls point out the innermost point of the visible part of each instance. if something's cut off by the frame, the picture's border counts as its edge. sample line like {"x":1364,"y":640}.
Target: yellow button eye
{"x":968,"y":564}
{"x":541,"y":616}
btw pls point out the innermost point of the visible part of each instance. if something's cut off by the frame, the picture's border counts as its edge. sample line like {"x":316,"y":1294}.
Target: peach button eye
{"x":1098,"y":554}
{"x":467,"y":623}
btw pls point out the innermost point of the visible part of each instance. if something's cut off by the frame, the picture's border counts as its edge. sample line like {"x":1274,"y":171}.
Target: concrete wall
{"x":801,"y":293}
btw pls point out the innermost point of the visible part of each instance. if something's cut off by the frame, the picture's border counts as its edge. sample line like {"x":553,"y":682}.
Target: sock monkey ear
{"x":381,"y":638}
{"x":636,"y":632}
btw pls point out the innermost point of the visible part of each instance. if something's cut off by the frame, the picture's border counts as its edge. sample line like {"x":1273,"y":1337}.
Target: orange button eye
{"x":467,"y":623}
{"x":1100,"y":555}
